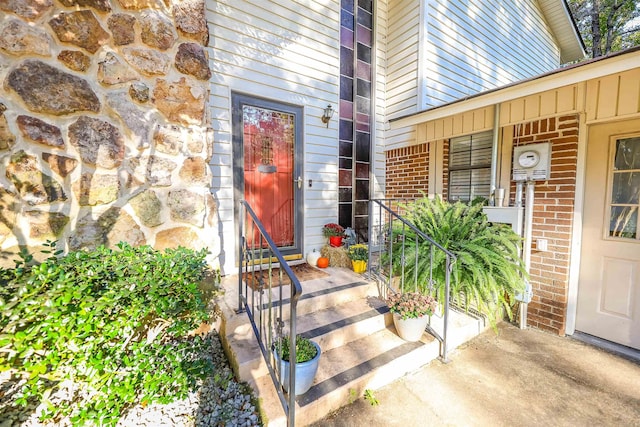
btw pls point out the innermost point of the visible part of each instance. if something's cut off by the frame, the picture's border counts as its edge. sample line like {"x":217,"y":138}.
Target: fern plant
{"x":488,"y":271}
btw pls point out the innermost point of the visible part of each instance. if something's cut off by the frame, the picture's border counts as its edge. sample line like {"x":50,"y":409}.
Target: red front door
{"x":267,"y":150}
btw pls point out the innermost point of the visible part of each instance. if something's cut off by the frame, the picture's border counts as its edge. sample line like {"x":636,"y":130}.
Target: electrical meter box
{"x":532,"y":162}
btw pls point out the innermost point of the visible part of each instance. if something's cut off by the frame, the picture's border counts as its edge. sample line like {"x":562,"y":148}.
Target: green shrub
{"x":305,"y":350}
{"x":488,"y":271}
{"x":114,"y":323}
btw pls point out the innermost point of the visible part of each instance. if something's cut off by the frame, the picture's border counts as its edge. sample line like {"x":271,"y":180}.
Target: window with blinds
{"x":470,"y":167}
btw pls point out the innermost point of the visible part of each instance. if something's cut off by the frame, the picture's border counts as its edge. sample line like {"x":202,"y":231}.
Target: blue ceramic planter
{"x":305,"y":372}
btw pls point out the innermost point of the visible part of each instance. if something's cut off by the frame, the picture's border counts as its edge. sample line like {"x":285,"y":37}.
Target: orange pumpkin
{"x":323,"y":262}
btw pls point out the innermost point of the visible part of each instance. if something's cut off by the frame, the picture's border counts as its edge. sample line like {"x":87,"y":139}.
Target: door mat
{"x":303,"y":272}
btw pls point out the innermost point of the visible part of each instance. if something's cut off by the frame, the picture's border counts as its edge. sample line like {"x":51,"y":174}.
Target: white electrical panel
{"x":532,"y":162}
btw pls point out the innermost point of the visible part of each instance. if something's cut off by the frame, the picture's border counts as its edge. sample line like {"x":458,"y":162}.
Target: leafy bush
{"x":110,"y":326}
{"x":488,"y":271}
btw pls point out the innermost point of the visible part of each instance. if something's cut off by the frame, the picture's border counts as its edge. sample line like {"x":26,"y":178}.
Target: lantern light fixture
{"x":327,"y":114}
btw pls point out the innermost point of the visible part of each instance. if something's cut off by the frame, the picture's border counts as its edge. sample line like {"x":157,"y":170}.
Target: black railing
{"x":388,"y":234}
{"x":266,"y":286}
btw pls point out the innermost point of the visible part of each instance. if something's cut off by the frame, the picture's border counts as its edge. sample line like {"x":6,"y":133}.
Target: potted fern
{"x":488,"y":272}
{"x":307,"y":361}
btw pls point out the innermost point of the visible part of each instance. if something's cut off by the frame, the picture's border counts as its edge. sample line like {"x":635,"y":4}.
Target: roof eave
{"x":560,"y":20}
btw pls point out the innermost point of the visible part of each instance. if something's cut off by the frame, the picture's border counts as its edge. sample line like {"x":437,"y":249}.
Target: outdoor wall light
{"x":327,"y":114}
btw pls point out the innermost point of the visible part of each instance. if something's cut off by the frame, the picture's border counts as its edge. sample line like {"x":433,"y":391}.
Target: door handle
{"x":299,"y":181}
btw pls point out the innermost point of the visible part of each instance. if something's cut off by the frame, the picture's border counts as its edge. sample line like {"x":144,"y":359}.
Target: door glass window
{"x":269,"y":138}
{"x":625,"y":189}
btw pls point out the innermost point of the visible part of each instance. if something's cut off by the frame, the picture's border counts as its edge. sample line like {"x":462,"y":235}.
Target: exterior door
{"x":267,"y":172}
{"x":609,"y":285}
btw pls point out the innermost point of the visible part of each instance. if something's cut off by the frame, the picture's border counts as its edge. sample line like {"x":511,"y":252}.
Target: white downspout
{"x":494,"y":156}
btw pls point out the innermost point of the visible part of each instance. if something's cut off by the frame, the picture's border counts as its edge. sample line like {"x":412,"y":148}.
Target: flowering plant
{"x":411,"y":305}
{"x":332,"y":229}
{"x":359,"y":252}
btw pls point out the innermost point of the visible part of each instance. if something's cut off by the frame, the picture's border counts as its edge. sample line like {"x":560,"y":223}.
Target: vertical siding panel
{"x":532,"y":107}
{"x":629,"y":92}
{"x":447,"y":126}
{"x":607,"y":104}
{"x":567,"y":98}
{"x":457,"y":124}
{"x":439,"y":130}
{"x":478,"y":119}
{"x":517,"y":110}
{"x":548,"y":103}
{"x":505,"y":113}
{"x":593,"y":92}
{"x":422,"y":132}
{"x":467,"y":122}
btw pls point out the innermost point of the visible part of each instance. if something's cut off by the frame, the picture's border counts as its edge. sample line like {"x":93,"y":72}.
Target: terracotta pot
{"x":335,"y":241}
{"x":410,"y":329}
{"x":359,"y":266}
{"x":323,"y":262}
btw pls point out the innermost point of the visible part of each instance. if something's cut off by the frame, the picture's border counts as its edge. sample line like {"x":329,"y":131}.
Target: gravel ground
{"x":221,"y":401}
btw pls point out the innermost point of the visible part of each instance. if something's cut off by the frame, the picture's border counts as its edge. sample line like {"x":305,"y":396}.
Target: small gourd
{"x":323,"y":262}
{"x":312,"y":258}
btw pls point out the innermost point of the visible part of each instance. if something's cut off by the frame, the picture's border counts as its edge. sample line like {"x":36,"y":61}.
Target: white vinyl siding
{"x":286,"y":51}
{"x":471,"y":47}
{"x":379,"y":85}
{"x":402,"y":43}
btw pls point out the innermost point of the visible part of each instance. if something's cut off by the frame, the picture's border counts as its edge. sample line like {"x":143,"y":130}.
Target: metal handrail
{"x":380,"y":241}
{"x":257,"y":256}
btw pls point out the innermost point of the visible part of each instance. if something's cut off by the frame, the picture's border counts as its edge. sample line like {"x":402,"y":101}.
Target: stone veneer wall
{"x":103,"y":133}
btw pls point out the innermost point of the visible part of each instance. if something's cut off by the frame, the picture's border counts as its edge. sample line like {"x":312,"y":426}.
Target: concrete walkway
{"x":519,"y":378}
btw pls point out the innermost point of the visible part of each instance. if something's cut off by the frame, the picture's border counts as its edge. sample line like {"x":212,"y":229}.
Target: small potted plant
{"x":335,"y":233}
{"x":307,"y":361}
{"x":359,"y":255}
{"x":411,"y":312}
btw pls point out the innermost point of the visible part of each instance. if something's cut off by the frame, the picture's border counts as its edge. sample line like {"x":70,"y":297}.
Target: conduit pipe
{"x":526,"y":256}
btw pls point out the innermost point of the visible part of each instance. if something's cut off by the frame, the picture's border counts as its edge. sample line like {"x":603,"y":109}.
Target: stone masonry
{"x":103,"y":125}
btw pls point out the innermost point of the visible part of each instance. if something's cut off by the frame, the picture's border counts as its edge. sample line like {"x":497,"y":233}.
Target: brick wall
{"x":407,"y":174}
{"x":552,"y":219}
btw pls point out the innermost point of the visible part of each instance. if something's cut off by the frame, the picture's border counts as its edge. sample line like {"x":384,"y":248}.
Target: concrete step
{"x":370,"y":362}
{"x":346,"y":372}
{"x":330,"y":327}
{"x":360,"y":348}
{"x":333,"y":310}
{"x":340,"y":287}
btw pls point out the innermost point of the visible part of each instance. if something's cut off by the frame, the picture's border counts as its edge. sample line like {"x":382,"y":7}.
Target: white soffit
{"x":556,"y":12}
